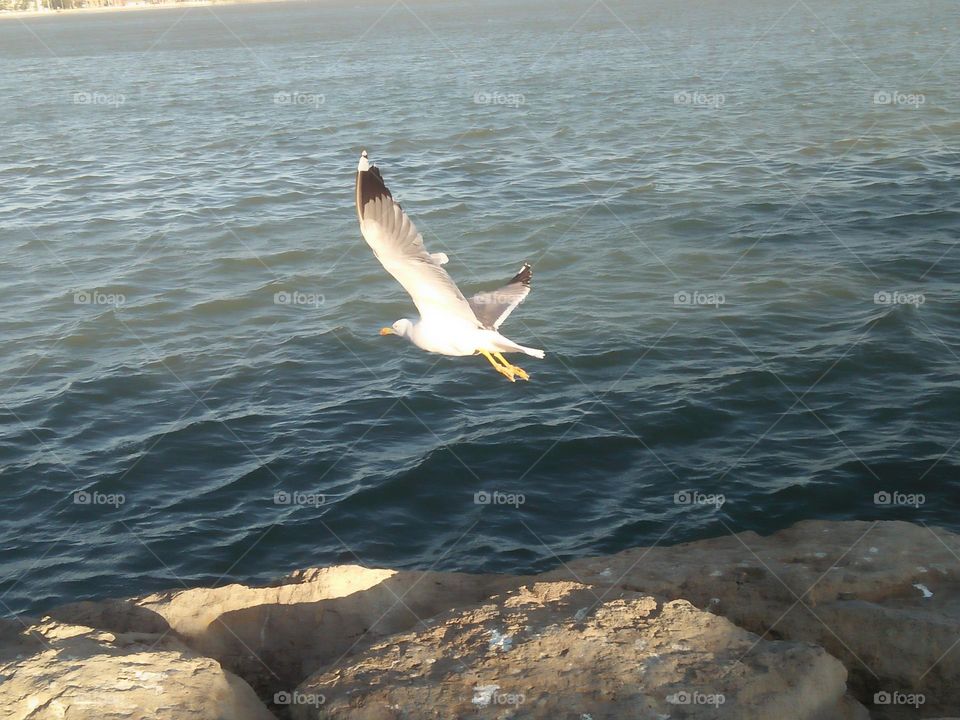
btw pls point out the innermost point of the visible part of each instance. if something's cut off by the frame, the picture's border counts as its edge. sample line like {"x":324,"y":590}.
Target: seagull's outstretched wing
{"x":399,"y":248}
{"x":492,"y":308}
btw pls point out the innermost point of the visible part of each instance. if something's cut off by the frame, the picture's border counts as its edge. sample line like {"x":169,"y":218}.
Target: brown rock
{"x":557,"y":650}
{"x":883,"y":597}
{"x":276,"y":636}
{"x":52,"y":671}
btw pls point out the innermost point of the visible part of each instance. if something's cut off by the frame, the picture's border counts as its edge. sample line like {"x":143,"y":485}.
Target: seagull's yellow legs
{"x":511,"y":372}
{"x":518,"y":371}
{"x":505,"y":371}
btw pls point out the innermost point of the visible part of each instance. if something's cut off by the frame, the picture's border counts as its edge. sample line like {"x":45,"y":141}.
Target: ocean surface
{"x":742,"y":216}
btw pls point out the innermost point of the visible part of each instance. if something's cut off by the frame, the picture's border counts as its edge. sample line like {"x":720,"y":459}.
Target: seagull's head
{"x":400,"y":327}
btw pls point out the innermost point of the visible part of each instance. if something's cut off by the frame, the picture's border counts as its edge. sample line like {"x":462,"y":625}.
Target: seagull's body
{"x":449,"y":323}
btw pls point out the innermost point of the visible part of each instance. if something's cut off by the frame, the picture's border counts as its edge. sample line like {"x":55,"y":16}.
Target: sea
{"x":742,"y":218}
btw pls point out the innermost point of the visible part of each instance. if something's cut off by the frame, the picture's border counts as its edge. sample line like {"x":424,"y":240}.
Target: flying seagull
{"x":449,"y":323}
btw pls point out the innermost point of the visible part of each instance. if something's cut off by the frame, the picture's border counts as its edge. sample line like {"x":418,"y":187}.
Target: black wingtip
{"x":370,"y":186}
{"x":524,"y":276}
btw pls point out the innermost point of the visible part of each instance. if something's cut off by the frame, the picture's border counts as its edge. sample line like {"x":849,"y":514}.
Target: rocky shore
{"x":822,"y":621}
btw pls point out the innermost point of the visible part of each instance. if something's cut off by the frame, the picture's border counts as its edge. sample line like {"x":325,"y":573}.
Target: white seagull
{"x":449,"y":323}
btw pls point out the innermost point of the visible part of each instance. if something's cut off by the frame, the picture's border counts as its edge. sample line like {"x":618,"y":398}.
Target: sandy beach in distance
{"x":24,"y":14}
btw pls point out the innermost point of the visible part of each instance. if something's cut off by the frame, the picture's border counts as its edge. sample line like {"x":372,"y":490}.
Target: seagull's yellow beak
{"x":387,"y":331}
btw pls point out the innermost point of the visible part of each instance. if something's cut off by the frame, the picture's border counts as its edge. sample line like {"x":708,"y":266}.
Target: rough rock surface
{"x":883,"y":597}
{"x":53,"y":671}
{"x":557,"y":650}
{"x":275,"y":636}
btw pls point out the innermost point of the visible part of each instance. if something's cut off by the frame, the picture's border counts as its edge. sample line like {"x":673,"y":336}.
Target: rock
{"x":120,"y":616}
{"x":70,"y":672}
{"x":883,"y":597}
{"x":557,"y":650}
{"x":275,"y":636}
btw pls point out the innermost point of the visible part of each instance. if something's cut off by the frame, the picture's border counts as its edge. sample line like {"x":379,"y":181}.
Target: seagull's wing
{"x":492,"y":308}
{"x":399,"y":248}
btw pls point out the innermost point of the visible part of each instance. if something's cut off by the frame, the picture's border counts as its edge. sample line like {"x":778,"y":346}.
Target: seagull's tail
{"x":507,"y":345}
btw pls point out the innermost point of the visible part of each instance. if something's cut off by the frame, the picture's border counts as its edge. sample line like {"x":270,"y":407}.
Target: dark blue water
{"x":743,"y":219}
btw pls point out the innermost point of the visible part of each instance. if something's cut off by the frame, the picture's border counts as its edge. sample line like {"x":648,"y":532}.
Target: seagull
{"x":449,"y":323}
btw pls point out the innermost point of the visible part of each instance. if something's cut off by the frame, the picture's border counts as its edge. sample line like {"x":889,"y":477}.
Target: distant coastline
{"x":43,"y":8}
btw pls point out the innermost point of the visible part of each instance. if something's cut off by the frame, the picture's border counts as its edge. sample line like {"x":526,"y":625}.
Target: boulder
{"x":883,"y":597}
{"x":558,"y":650}
{"x":115,"y":615}
{"x":275,"y":636}
{"x":56,"y":671}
